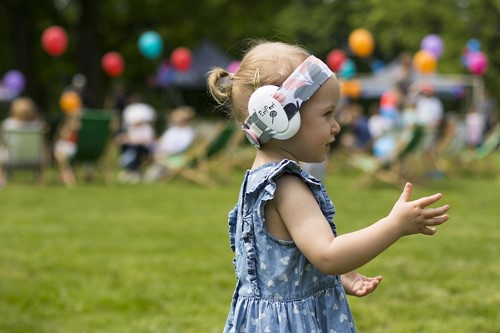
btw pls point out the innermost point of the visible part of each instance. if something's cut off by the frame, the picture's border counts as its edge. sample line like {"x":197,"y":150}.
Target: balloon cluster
{"x":431,"y":49}
{"x":361,"y":44}
{"x":150,"y":43}
{"x":473,"y":58}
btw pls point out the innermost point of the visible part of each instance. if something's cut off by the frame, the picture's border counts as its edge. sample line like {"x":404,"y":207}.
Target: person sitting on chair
{"x":23,"y":115}
{"x":176,"y":139}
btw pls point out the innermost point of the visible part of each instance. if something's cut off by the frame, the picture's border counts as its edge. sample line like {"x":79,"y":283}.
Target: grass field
{"x":156,"y":258}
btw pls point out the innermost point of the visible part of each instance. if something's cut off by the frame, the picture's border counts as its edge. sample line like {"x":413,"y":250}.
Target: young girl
{"x":293,"y":270}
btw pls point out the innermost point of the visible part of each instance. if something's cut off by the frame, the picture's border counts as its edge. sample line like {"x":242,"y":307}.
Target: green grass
{"x":156,"y":258}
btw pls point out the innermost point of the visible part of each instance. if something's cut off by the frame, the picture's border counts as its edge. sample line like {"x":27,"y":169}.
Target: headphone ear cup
{"x":272,"y":114}
{"x":292,"y":129}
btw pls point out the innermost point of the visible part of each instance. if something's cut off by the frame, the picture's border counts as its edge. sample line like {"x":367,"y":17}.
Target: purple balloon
{"x":14,"y":81}
{"x":477,"y":62}
{"x":433,"y":44}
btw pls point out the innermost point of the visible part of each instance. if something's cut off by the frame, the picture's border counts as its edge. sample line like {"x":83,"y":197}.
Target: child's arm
{"x":300,"y":213}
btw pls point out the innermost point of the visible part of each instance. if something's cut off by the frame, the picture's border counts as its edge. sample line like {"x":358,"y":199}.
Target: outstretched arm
{"x":339,"y":255}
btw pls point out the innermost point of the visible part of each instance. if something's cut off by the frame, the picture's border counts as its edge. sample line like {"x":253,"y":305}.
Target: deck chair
{"x":93,"y":139}
{"x":23,"y":150}
{"x":394,"y":169}
{"x":472,"y":160}
{"x":194,"y":164}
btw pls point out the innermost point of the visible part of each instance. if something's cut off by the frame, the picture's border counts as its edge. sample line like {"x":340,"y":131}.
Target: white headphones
{"x":274,"y":111}
{"x":273,"y":114}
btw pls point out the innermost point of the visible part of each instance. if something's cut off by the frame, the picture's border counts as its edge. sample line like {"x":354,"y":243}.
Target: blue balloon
{"x":473,"y":45}
{"x":384,"y":146}
{"x":150,"y":44}
{"x":348,"y":69}
{"x":377,"y":66}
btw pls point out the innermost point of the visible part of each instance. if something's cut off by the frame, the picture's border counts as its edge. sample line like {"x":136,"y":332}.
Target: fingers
{"x":427,"y":201}
{"x":434,"y":212}
{"x":407,"y":190}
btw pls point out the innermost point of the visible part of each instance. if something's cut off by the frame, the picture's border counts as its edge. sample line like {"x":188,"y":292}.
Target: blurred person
{"x":65,"y":147}
{"x":136,"y":141}
{"x":174,"y":140}
{"x":79,"y":85}
{"x":23,"y":115}
{"x":430,"y":113}
{"x":474,"y":124}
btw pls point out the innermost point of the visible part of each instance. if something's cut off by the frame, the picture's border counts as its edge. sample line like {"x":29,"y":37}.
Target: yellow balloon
{"x":424,"y":62}
{"x":70,"y":102}
{"x":361,"y":42}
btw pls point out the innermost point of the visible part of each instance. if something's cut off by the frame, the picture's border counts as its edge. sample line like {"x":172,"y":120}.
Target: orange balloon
{"x":361,"y":42}
{"x":351,"y":88}
{"x":424,"y":62}
{"x":70,"y":102}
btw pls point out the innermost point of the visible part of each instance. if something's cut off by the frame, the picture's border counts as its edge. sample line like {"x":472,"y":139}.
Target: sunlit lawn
{"x":156,"y":258}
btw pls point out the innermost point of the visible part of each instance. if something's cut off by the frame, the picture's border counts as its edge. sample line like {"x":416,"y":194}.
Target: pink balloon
{"x":234,"y":66}
{"x":477,"y":62}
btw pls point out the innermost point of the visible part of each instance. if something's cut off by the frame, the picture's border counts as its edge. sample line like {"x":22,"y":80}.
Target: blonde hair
{"x":264,"y":63}
{"x":24,"y":109}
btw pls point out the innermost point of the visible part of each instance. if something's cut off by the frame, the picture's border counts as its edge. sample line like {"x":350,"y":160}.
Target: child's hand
{"x":359,"y":285}
{"x":416,"y":216}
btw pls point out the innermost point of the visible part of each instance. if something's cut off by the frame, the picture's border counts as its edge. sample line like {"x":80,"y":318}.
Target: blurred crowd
{"x":373,"y":127}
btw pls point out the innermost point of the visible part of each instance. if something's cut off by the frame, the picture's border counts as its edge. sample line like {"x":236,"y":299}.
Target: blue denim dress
{"x":278,"y":290}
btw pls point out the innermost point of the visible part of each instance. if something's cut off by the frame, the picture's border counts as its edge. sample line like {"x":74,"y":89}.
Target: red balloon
{"x":181,"y":59}
{"x":335,"y":59}
{"x":55,"y":40}
{"x":113,"y":64}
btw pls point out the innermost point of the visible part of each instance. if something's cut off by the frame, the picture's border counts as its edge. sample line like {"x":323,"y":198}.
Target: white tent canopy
{"x":447,"y":85}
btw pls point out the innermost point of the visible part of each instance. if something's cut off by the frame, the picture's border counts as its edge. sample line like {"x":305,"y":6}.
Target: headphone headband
{"x":274,"y":111}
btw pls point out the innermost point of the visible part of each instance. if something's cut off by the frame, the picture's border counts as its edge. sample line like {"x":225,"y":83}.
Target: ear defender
{"x":273,"y":112}
{"x":270,"y":112}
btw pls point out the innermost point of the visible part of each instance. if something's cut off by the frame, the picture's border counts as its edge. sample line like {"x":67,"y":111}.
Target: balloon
{"x":14,"y":81}
{"x":70,"y":102}
{"x":351,"y":88}
{"x":234,"y":66}
{"x":181,"y":59}
{"x":424,"y":62}
{"x":165,"y":75}
{"x":384,"y":146}
{"x":150,"y":44}
{"x":55,"y":40}
{"x":433,"y":44}
{"x":477,"y":62}
{"x":361,"y":42}
{"x":473,"y":45}
{"x":348,"y":69}
{"x":335,"y":59}
{"x":113,"y":64}
{"x":377,"y":66}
